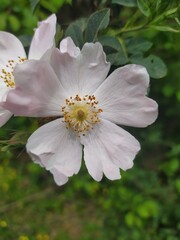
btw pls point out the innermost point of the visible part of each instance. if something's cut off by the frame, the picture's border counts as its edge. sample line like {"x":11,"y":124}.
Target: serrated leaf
{"x":127,"y":3}
{"x":75,"y":33}
{"x":144,"y":7}
{"x":136,"y":45}
{"x":34,"y":3}
{"x":97,"y":21}
{"x":154,"y":65}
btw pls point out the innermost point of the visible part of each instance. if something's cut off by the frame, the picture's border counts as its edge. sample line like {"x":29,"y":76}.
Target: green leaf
{"x":34,"y":4}
{"x":81,"y":23}
{"x":161,"y":5}
{"x":136,"y":45}
{"x":3,"y":18}
{"x":165,"y":28}
{"x":144,"y":7}
{"x":118,"y":58}
{"x":132,"y":220}
{"x":112,"y":42}
{"x":127,"y":3}
{"x":54,"y":5}
{"x":154,"y":65}
{"x":168,"y":90}
{"x":97,"y":21}
{"x":26,"y":40}
{"x":177,"y":185}
{"x":59,"y":34}
{"x":167,"y":14}
{"x":112,"y":45}
{"x":14,"y":23}
{"x":75,"y":33}
{"x":147,"y":209}
{"x":171,"y":167}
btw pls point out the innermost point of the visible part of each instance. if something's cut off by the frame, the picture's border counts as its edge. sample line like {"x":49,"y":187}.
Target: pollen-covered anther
{"x":7,"y":73}
{"x":81,"y":113}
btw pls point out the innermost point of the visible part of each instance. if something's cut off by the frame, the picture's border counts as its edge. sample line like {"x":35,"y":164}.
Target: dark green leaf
{"x":136,"y":45}
{"x":116,"y":54}
{"x":81,"y":23}
{"x":161,"y":5}
{"x":154,"y":65}
{"x":144,"y":7}
{"x":75,"y":33}
{"x":111,"y":42}
{"x":97,"y":21}
{"x":117,"y":59}
{"x":26,"y":40}
{"x":127,"y":3}
{"x":34,"y":3}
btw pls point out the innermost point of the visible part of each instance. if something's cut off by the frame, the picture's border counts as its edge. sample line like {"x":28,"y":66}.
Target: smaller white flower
{"x":12,"y":52}
{"x":75,"y":88}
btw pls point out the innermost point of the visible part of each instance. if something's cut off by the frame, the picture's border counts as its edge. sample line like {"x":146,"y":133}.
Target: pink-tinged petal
{"x":10,"y":48}
{"x":38,"y":92}
{"x":59,"y":178}
{"x":122,"y":96}
{"x":3,"y":93}
{"x":5,"y":115}
{"x":43,"y":37}
{"x":107,"y":148}
{"x":57,"y":149}
{"x":83,"y":73}
{"x":67,"y":46}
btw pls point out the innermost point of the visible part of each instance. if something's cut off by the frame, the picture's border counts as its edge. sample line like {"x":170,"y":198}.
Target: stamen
{"x":81,"y":114}
{"x":7,"y":74}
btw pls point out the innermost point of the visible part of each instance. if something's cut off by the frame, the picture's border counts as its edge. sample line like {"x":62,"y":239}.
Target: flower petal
{"x":43,"y":37}
{"x":5,"y":115}
{"x":59,"y":178}
{"x":38,"y":92}
{"x":80,"y":73}
{"x":10,"y":48}
{"x":67,"y":46}
{"x":107,"y":148}
{"x":57,"y":149}
{"x":122,"y":97}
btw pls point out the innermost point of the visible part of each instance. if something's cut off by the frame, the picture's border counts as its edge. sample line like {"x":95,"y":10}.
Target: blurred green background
{"x":145,"y":203}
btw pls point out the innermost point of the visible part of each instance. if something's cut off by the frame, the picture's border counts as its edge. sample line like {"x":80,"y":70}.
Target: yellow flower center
{"x":81,"y":114}
{"x":7,"y":73}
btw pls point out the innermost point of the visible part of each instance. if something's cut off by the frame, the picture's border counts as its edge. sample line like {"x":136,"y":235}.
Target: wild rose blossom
{"x":12,"y":52}
{"x":75,"y":88}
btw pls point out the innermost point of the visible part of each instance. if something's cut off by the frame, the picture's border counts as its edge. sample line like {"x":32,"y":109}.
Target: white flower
{"x":12,"y":52}
{"x":74,"y":88}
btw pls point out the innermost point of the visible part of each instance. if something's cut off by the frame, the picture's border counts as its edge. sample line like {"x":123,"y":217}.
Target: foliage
{"x":144,"y":204}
